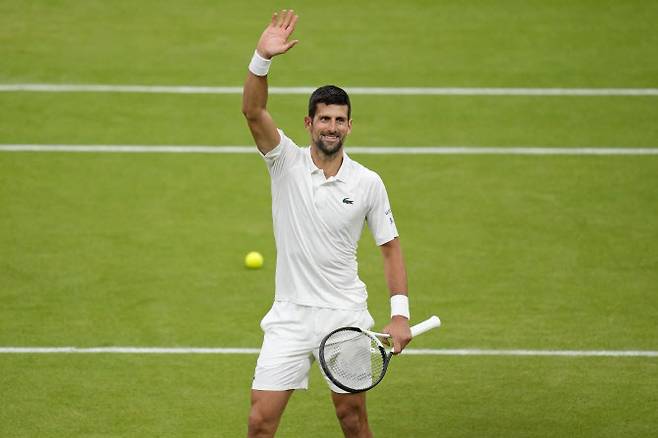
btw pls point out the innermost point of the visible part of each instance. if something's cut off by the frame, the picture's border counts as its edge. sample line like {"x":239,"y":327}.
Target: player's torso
{"x":332,"y":208}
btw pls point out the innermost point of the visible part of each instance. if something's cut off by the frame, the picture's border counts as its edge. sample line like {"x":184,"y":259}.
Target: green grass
{"x":513,"y":252}
{"x":109,"y":395}
{"x":412,"y":121}
{"x":127,"y":247}
{"x":387,"y":43}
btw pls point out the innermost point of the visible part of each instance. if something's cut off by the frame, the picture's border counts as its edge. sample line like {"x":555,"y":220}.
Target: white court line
{"x":377,"y":150}
{"x":409,"y":351}
{"x":389,"y":91}
{"x":126,"y":350}
{"x":568,"y":353}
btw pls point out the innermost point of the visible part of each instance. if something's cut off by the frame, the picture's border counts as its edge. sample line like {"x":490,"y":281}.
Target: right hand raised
{"x":274,"y":40}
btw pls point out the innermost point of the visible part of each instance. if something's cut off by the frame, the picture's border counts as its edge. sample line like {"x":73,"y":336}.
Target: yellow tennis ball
{"x":253,"y":260}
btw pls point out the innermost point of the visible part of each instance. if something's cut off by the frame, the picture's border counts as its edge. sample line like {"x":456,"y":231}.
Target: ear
{"x":349,"y":126}
{"x":308,"y":122}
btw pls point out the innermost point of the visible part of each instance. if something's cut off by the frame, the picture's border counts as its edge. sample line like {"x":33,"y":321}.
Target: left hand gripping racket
{"x":355,"y":359}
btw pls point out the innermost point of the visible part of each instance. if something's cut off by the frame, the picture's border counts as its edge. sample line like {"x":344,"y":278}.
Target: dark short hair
{"x":329,"y":95}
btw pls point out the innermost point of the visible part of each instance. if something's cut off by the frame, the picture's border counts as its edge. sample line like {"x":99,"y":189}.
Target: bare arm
{"x":273,"y":41}
{"x":396,"y":278}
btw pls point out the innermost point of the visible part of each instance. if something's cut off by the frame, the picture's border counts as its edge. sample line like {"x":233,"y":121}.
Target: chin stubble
{"x":325,"y":149}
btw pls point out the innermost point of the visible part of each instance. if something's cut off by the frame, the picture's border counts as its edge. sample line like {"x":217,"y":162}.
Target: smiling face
{"x":329,"y":127}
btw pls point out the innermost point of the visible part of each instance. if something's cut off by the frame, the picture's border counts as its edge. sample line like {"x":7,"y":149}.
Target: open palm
{"x":274,"y":40}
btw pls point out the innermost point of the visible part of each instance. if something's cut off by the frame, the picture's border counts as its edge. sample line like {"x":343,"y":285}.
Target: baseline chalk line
{"x":381,"y":91}
{"x":409,"y":351}
{"x":373,"y":150}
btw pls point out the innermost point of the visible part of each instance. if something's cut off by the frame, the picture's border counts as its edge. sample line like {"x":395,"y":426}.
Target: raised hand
{"x":274,"y":40}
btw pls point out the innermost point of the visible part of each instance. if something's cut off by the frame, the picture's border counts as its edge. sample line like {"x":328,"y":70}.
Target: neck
{"x":330,"y":164}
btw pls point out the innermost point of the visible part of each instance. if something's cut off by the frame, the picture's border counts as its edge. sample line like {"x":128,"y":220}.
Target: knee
{"x":353,"y":419}
{"x":260,"y":425}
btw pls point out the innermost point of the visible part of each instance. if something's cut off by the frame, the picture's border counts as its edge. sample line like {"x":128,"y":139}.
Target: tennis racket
{"x":355,"y":359}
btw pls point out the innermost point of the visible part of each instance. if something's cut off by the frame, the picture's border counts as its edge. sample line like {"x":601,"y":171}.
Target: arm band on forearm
{"x":400,"y":305}
{"x":259,"y":65}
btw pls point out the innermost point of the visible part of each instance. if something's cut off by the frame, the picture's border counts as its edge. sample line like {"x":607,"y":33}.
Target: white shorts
{"x":292,"y":337}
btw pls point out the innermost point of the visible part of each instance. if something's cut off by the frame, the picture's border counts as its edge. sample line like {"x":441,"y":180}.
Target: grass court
{"x":514,"y":252}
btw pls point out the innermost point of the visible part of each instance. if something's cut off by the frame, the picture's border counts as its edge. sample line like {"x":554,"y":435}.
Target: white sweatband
{"x":400,"y":305}
{"x":259,"y":65}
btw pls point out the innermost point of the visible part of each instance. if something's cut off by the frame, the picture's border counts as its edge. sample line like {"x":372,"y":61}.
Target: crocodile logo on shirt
{"x":347,"y":201}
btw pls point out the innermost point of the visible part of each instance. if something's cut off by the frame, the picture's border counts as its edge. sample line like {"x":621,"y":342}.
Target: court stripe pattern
{"x":440,"y":150}
{"x":374,"y":150}
{"x":409,"y":351}
{"x":377,"y":91}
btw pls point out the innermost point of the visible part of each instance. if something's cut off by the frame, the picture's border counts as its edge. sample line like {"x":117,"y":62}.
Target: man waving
{"x":321,"y":199}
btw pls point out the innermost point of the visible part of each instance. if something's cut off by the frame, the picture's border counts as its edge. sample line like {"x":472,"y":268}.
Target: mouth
{"x":330,"y":138}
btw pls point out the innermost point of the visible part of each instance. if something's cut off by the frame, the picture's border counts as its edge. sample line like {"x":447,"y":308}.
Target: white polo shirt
{"x":317,"y":226}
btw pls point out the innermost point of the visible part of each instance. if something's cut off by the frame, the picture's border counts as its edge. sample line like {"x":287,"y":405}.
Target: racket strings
{"x":354,"y":359}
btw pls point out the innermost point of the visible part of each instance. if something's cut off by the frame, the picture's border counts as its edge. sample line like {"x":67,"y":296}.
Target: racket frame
{"x":386,"y":357}
{"x":420,"y":328}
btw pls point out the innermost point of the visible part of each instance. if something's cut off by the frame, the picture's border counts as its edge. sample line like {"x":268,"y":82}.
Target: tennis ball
{"x":253,"y":260}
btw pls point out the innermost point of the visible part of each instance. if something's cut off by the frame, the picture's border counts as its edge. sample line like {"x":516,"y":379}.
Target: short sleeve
{"x":278,"y":158}
{"x":380,"y":216}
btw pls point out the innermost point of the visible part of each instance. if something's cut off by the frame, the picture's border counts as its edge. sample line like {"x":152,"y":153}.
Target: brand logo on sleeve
{"x":347,"y":201}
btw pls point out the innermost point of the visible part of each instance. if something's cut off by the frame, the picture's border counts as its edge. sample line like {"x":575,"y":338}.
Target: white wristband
{"x":400,"y":305}
{"x":259,"y":65}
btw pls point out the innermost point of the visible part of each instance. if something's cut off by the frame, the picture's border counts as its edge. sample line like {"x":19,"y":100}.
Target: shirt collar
{"x":344,"y":172}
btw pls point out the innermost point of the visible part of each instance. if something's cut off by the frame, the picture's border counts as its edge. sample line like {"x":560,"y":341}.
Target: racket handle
{"x":428,"y":324}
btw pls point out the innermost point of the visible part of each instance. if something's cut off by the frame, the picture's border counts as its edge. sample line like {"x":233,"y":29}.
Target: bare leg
{"x":352,"y":414}
{"x":266,"y":410}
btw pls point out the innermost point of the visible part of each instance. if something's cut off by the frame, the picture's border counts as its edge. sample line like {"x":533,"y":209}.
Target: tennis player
{"x":321,"y":199}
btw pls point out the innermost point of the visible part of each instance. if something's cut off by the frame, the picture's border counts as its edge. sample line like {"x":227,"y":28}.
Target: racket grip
{"x":428,"y":324}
